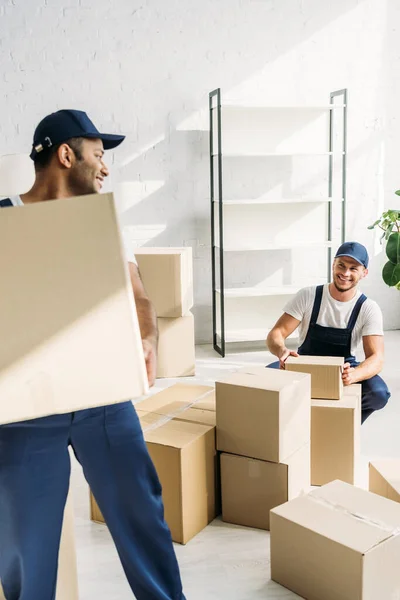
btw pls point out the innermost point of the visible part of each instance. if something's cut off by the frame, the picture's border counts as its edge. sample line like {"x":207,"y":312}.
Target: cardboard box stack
{"x":263,"y":432}
{"x":339,"y":541}
{"x":384,"y":478}
{"x":179,"y":429}
{"x":335,"y":419}
{"x":167,"y":275}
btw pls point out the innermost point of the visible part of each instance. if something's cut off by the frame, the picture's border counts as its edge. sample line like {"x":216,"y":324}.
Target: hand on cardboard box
{"x":348,"y":375}
{"x":150,"y":357}
{"x":284,"y":355}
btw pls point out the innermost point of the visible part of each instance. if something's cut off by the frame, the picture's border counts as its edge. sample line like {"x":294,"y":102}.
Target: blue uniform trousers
{"x":34,"y":480}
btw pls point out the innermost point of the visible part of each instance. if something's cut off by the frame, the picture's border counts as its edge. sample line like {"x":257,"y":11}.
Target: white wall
{"x":145,"y":68}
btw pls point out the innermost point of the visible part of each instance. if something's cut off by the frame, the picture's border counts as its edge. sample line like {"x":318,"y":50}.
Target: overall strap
{"x":317,"y":304}
{"x":6,"y":202}
{"x":356,"y":312}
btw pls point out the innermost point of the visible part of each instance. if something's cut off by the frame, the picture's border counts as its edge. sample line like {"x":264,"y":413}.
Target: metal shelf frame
{"x":217,"y":202}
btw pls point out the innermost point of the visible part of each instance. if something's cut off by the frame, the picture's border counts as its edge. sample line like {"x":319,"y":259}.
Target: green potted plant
{"x":389,"y":222}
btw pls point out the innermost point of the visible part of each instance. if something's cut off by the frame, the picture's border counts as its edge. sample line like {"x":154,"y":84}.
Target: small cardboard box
{"x":67,"y":310}
{"x":337,"y":543}
{"x":250,"y":487}
{"x":384,"y":478}
{"x":167,"y":275}
{"x":335,"y":437}
{"x":176,"y":351}
{"x":325,"y":371}
{"x":263,"y":413}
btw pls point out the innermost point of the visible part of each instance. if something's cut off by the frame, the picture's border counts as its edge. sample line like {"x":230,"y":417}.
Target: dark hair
{"x":43,"y":159}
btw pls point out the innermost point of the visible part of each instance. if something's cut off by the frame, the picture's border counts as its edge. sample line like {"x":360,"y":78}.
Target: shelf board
{"x":288,"y":246}
{"x":249,"y":335}
{"x":261,"y":200}
{"x":235,"y":104}
{"x":271,"y":154}
{"x":250,"y":292}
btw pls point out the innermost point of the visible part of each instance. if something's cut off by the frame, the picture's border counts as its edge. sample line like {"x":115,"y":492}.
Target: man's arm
{"x":147,"y":322}
{"x":372,"y":365}
{"x":277,"y":337}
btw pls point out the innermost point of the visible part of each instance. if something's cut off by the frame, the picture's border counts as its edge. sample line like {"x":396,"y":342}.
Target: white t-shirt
{"x":334,"y":313}
{"x":129,"y":254}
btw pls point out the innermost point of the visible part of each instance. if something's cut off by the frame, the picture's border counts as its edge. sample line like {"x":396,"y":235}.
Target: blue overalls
{"x":34,"y":481}
{"x":332,"y":341}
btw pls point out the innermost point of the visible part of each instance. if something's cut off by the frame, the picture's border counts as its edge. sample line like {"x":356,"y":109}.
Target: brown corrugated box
{"x":250,"y":487}
{"x":67,"y":311}
{"x":335,"y":437}
{"x":176,"y":347}
{"x":384,"y":478}
{"x":180,"y":396}
{"x":325,"y":371}
{"x":167,"y":275}
{"x":263,"y":413}
{"x":337,"y":543}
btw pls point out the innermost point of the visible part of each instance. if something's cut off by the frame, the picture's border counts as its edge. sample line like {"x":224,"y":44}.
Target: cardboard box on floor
{"x":325,"y":371}
{"x":176,"y":347}
{"x":183,"y":452}
{"x":335,"y":437}
{"x":263,"y":413}
{"x":167,"y":275}
{"x":337,"y":543}
{"x":67,"y":311}
{"x":384,"y":478}
{"x":251,"y":488}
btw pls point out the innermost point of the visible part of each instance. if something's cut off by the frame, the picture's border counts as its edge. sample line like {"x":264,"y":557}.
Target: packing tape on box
{"x":391,"y":531}
{"x":172,"y":415}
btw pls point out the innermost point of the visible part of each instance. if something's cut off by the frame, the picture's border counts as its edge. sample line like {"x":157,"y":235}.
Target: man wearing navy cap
{"x":334,"y":320}
{"x":68,"y":154}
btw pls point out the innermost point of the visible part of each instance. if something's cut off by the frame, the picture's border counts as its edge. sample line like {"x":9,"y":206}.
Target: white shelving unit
{"x":275,"y":217}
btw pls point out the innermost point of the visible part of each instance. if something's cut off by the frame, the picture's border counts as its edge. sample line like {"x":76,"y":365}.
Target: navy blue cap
{"x":65,"y":124}
{"x":354,"y":250}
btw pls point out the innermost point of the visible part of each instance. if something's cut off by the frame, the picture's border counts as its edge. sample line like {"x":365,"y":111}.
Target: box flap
{"x":389,"y":468}
{"x":348,"y":515}
{"x":181,"y":394}
{"x":194,"y":415}
{"x":316,"y":360}
{"x":272,"y":380}
{"x":177,"y":434}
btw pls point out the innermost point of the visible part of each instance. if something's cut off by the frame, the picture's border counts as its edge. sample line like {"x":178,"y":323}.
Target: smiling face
{"x":88,"y":171}
{"x":346,"y":273}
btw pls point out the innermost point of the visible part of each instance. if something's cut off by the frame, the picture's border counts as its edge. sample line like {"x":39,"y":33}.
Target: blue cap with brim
{"x":354,"y":250}
{"x":66,"y":124}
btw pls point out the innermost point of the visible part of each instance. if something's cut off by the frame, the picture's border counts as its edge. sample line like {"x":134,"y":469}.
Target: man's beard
{"x":82,"y":181}
{"x":351,"y":284}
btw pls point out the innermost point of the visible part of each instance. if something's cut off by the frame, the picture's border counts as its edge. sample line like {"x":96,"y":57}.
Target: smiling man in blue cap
{"x":68,"y":154}
{"x":336,"y":319}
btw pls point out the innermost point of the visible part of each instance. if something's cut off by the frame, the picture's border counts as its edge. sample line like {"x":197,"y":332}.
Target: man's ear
{"x":65,"y":155}
{"x":365,"y":273}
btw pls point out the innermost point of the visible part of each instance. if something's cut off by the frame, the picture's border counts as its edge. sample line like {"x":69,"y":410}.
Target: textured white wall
{"x":145,"y":68}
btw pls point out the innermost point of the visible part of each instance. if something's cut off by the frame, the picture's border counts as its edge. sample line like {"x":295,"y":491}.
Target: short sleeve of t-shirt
{"x":372,"y":319}
{"x":300,"y":303}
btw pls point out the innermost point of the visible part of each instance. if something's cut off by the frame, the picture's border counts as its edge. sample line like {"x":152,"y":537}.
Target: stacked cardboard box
{"x":179,"y":429}
{"x":338,"y":542}
{"x":335,"y":419}
{"x":167,"y":275}
{"x":384,"y":478}
{"x":263,"y":432}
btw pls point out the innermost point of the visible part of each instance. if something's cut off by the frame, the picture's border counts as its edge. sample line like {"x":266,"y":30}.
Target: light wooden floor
{"x":224,"y":562}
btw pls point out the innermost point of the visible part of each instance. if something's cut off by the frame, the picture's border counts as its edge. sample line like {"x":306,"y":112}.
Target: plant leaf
{"x":374,"y":224}
{"x":391,"y":274}
{"x":393,"y":248}
{"x":389,"y":231}
{"x":397,"y":192}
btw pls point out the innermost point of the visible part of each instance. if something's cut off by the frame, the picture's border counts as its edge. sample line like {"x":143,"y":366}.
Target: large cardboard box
{"x":337,"y":543}
{"x":325,"y":371}
{"x":384,"y":478}
{"x":263,"y":413}
{"x":68,"y":322}
{"x":251,"y":488}
{"x":167,"y":275}
{"x":335,"y":437}
{"x":176,"y":351}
